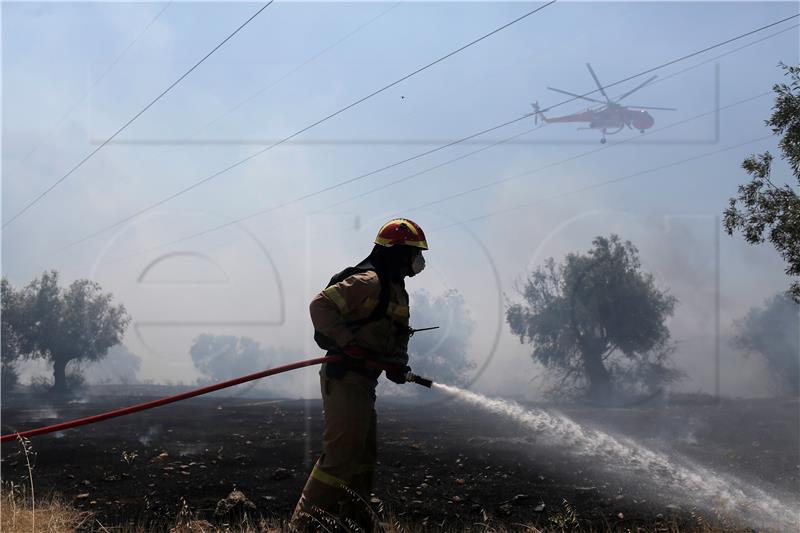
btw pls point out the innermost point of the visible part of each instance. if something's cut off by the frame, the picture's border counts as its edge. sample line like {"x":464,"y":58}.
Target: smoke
{"x":679,"y":250}
{"x":772,"y":332}
{"x":678,"y":476}
{"x":224,"y":357}
{"x":441,"y":352}
{"x":120,"y":365}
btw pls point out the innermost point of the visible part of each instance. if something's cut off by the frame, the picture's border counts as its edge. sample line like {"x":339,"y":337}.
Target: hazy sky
{"x":73,"y":73}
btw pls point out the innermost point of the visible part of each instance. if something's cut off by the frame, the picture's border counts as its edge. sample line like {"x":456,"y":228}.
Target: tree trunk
{"x":598,"y":376}
{"x":60,"y":374}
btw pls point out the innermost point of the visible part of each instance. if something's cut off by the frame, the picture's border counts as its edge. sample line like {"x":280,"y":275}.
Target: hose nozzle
{"x":419,"y":380}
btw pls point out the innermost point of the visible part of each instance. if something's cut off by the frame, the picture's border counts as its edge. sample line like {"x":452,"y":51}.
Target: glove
{"x":398,"y":375}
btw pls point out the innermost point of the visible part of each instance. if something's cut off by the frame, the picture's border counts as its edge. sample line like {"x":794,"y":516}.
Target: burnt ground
{"x":439,"y":463}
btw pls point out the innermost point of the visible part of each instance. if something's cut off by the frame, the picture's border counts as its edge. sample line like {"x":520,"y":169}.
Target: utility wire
{"x":297,"y":199}
{"x":309,"y":60}
{"x":434,"y":141}
{"x":502,"y":141}
{"x":605,"y":183}
{"x":137,"y":115}
{"x":236,"y":221}
{"x":672,"y":62}
{"x":429,"y":169}
{"x":521,"y":174}
{"x":101,"y":77}
{"x":362,"y":176}
{"x":720,"y":56}
{"x":605,"y":146}
{"x":509,"y":139}
{"x":583,"y":154}
{"x":328,"y":117}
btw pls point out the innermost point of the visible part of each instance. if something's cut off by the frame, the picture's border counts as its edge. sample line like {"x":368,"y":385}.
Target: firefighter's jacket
{"x":354,"y":298}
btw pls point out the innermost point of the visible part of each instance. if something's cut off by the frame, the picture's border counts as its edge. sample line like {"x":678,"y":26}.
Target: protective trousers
{"x":341,"y":480}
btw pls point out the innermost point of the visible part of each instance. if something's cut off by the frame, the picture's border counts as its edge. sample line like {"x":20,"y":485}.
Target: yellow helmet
{"x":401,"y":231}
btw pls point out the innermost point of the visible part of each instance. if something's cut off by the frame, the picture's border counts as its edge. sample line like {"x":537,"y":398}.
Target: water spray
{"x":680,"y":476}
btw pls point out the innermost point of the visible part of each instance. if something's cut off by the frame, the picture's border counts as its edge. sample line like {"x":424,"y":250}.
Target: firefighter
{"x":362,"y":317}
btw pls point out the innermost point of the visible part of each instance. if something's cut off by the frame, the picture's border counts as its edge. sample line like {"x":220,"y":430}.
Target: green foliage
{"x":11,"y":324}
{"x":597,"y":320}
{"x":10,"y":351}
{"x":78,"y":323}
{"x":773,"y":332}
{"x":769,"y":211}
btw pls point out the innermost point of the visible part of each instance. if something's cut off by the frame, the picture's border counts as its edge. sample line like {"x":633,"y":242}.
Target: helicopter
{"x":611,"y":117}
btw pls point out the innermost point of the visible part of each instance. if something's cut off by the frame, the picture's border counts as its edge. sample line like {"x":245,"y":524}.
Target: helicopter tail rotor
{"x":537,"y":113}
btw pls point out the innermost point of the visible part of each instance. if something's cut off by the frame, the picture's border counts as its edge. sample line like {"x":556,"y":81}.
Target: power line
{"x":502,"y":141}
{"x":328,"y":117}
{"x":411,"y":142}
{"x":509,"y":139}
{"x":331,"y":46}
{"x":729,"y":52}
{"x":497,"y":212}
{"x":513,"y":137}
{"x":386,"y":167}
{"x":672,"y":62}
{"x":605,"y":183}
{"x":300,"y":198}
{"x":236,"y":221}
{"x":430,"y":169}
{"x":580,"y":155}
{"x":137,"y":115}
{"x":520,"y":174}
{"x":101,"y":77}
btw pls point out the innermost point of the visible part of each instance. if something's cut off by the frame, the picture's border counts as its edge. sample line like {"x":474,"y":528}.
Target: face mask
{"x":417,"y":265}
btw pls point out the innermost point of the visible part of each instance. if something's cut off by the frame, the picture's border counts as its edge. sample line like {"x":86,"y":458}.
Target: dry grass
{"x":17,"y":515}
{"x":56,"y":516}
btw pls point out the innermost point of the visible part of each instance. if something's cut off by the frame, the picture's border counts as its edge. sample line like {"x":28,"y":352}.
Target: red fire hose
{"x":163,"y":401}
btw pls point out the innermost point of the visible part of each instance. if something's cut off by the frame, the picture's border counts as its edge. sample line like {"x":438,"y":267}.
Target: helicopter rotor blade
{"x":576,"y":95}
{"x":651,"y":107}
{"x":599,"y":86}
{"x":648,"y":80}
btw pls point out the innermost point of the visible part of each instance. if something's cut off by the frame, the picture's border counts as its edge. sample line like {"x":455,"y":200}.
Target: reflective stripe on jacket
{"x":354,"y":298}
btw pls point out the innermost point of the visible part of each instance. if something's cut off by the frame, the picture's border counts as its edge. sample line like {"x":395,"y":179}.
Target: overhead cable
{"x":318,"y":122}
{"x":392,"y":165}
{"x":604,"y":183}
{"x":102,"y":76}
{"x":129,"y":122}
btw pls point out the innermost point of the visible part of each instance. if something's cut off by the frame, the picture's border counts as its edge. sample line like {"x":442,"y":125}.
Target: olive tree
{"x":11,"y":351}
{"x":764,"y":210}
{"x":597,"y":322}
{"x":773,"y":333}
{"x":77,"y":323}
